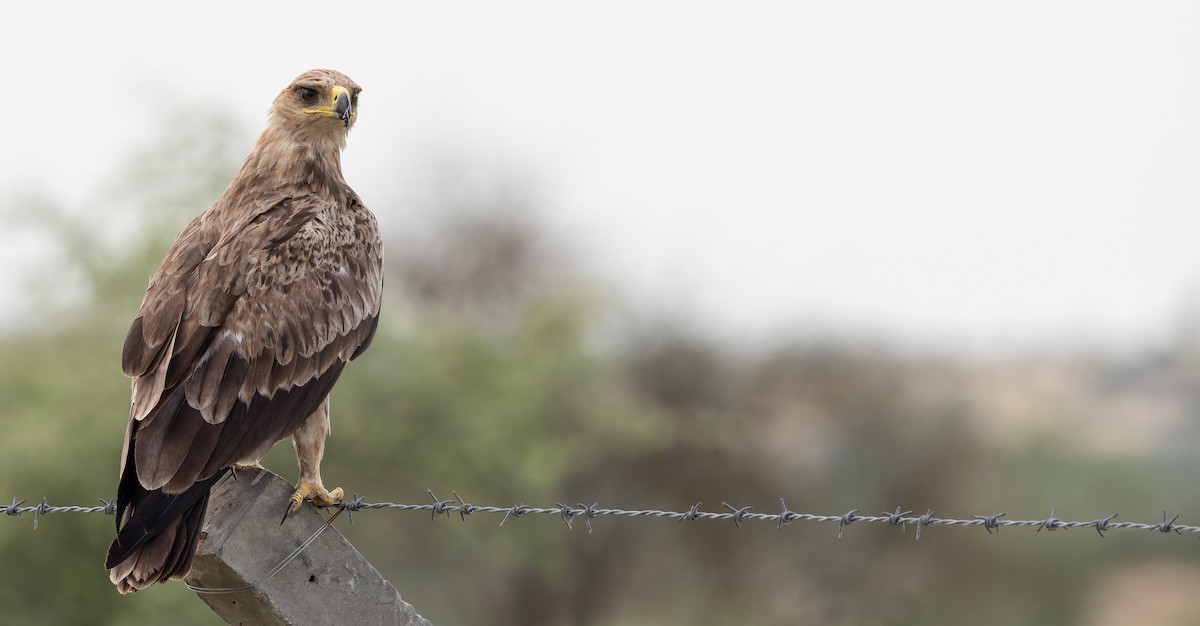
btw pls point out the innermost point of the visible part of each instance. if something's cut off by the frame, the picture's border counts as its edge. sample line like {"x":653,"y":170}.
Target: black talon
{"x":292,"y":507}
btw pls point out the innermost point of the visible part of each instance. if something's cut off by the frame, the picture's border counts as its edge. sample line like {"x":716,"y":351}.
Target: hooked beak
{"x":340,"y":106}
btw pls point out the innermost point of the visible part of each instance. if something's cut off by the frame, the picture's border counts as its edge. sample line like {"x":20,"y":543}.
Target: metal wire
{"x":274,"y":570}
{"x":569,"y":514}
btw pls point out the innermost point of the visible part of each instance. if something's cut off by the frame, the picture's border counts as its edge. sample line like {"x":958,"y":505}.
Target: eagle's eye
{"x":307,"y":94}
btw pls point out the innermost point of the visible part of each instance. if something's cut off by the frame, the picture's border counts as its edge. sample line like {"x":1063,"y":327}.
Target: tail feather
{"x":157,"y":533}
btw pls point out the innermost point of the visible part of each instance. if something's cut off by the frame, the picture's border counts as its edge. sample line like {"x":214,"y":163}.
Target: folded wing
{"x":242,"y":334}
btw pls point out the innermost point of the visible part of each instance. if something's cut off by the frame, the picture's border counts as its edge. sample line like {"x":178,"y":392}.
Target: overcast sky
{"x":934,"y":173}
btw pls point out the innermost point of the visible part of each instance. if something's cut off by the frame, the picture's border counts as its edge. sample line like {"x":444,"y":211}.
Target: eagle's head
{"x":318,"y":105}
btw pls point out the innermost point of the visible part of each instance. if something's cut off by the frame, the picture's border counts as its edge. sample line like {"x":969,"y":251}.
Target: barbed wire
{"x":569,"y":514}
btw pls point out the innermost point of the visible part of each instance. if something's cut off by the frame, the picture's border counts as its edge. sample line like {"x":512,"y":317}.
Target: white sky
{"x":933,"y":173}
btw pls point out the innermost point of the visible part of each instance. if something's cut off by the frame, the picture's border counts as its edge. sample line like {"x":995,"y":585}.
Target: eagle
{"x":256,"y":309}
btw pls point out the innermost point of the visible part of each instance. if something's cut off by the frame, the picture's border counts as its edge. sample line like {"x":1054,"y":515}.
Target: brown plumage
{"x":244,"y":329}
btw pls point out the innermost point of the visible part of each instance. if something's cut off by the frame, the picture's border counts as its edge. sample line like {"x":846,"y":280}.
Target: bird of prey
{"x":244,"y":328}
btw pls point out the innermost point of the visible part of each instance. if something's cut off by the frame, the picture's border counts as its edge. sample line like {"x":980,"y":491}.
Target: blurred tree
{"x":485,"y":378}
{"x":63,"y":397}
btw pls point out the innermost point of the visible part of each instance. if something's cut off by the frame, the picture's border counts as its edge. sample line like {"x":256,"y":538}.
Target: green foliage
{"x":485,"y":378}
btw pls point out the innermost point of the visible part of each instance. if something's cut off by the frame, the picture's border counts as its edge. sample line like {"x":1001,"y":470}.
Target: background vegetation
{"x":503,"y":373}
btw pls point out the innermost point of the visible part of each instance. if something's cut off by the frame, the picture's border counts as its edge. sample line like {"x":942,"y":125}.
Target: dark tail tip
{"x":159,"y":539}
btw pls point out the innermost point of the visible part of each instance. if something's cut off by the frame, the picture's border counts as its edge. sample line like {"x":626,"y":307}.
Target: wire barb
{"x":1165,"y":526}
{"x":439,"y":506}
{"x":1052,"y":523}
{"x":350,"y":506}
{"x":738,"y":514}
{"x":786,"y":517}
{"x":896,"y":518}
{"x":991,"y":523}
{"x":14,"y":509}
{"x":465,"y":509}
{"x":589,"y":512}
{"x":1101,"y":525}
{"x":516,"y":511}
{"x":923,"y":521}
{"x":566,"y":513}
{"x":846,"y":520}
{"x":692,"y":514}
{"x":45,"y":509}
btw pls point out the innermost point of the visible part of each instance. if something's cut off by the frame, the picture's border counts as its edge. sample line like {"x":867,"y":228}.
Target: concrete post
{"x":328,"y":583}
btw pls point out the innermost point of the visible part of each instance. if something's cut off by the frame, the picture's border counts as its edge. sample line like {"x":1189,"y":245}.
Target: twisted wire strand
{"x":569,"y":514}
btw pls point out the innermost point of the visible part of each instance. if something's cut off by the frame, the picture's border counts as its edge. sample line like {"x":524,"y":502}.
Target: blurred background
{"x":865,"y":254}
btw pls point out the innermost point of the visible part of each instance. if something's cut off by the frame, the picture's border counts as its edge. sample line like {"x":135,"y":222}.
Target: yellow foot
{"x":311,"y":491}
{"x":255,"y":465}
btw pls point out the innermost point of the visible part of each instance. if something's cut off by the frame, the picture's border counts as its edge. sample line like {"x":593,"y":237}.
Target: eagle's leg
{"x":248,"y":466}
{"x":309,"y":440}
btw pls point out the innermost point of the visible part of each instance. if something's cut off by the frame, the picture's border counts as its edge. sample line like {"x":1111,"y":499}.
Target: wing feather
{"x":203,"y":441}
{"x":165,"y":300}
{"x":259,"y":324}
{"x":165,"y":441}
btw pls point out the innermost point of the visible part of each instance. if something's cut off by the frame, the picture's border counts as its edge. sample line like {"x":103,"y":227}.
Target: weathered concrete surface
{"x":328,"y":583}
